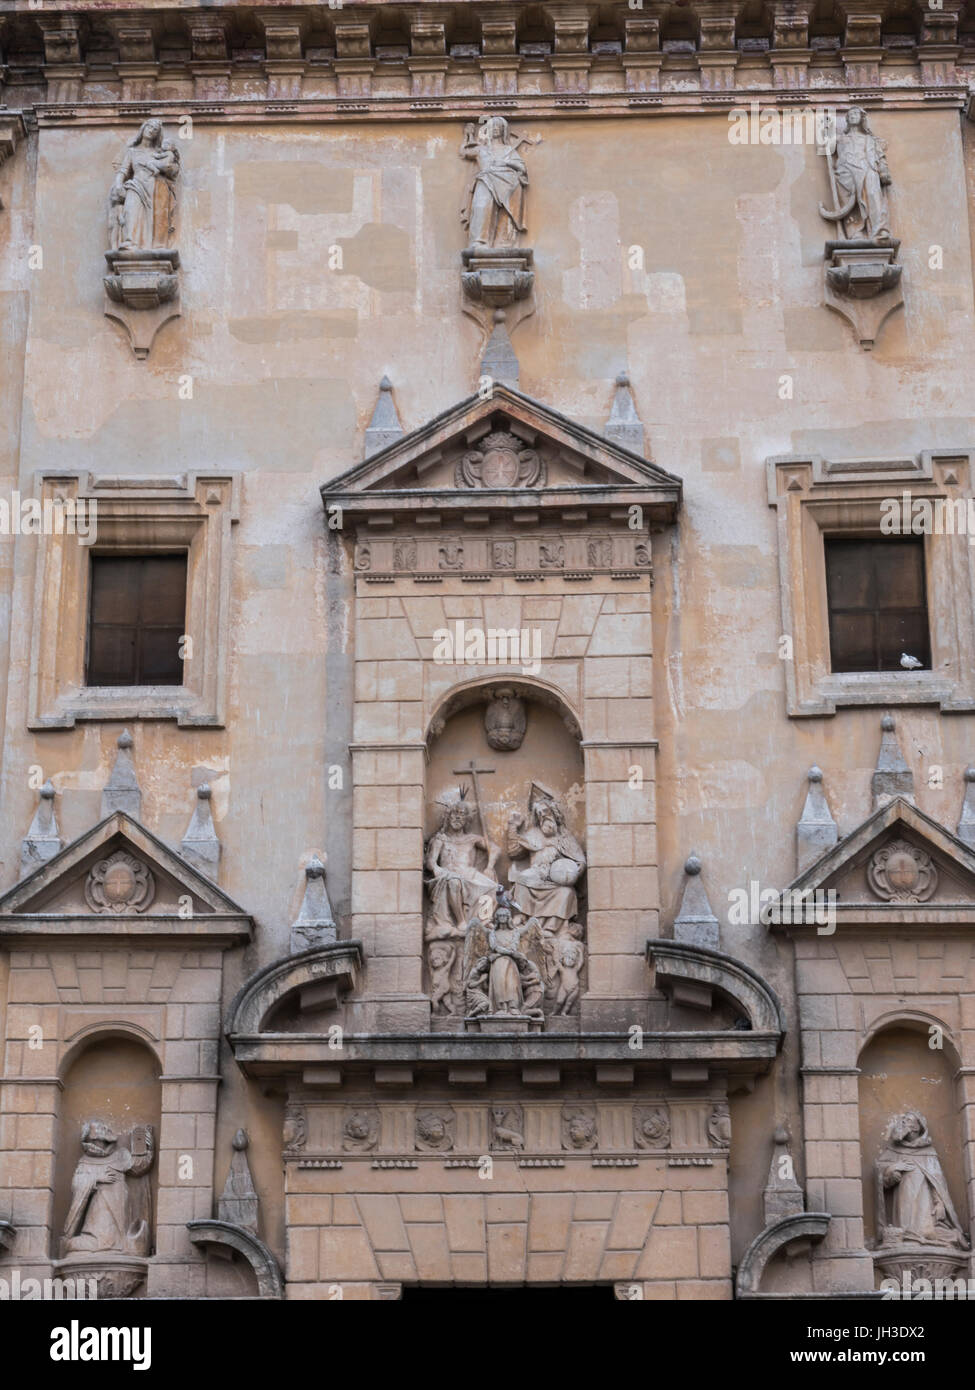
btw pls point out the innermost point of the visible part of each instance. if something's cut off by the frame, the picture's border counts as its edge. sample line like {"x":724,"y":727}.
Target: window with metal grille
{"x":878,"y":609}
{"x":136,"y":619}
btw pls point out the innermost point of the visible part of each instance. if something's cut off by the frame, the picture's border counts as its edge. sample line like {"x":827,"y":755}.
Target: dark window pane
{"x":160,"y":655}
{"x":877,"y":604}
{"x":136,"y":619}
{"x":111,"y":656}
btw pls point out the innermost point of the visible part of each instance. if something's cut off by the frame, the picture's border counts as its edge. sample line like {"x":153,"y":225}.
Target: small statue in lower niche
{"x":913,"y":1202}
{"x":110,"y":1195}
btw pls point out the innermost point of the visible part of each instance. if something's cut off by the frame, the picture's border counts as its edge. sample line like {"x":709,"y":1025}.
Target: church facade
{"x":488,"y":648}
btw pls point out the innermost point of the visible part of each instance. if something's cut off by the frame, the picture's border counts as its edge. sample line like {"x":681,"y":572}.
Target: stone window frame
{"x":194,"y":512}
{"x":815,"y":497}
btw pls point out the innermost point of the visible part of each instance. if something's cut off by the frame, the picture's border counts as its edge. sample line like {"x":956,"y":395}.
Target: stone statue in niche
{"x":579,"y":1128}
{"x":507,"y":1128}
{"x":119,"y":884}
{"x":434,"y":1131}
{"x":460,"y":863}
{"x":651,"y":1127}
{"x":501,"y":460}
{"x":360,"y":1133}
{"x":142,"y":201}
{"x":143,"y":259}
{"x":502,"y":967}
{"x":494,"y":210}
{"x":546,"y":861}
{"x":505,"y":721}
{"x":913,"y":1202}
{"x":900,"y":872}
{"x":111,"y":1199}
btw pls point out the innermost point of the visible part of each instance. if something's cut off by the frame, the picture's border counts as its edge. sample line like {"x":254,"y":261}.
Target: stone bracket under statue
{"x":142,"y":293}
{"x":863,"y":285}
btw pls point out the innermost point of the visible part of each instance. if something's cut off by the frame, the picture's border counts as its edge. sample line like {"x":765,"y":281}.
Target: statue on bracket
{"x":497,"y":271}
{"x":142,"y":201}
{"x":496,"y":198}
{"x":111,"y":1204}
{"x":143,"y":287}
{"x":913,"y":1202}
{"x":861,"y":264}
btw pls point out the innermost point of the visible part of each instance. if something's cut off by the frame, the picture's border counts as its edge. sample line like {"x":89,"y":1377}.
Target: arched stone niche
{"x":525,"y":746}
{"x":109,"y":1120}
{"x":901,"y":1075}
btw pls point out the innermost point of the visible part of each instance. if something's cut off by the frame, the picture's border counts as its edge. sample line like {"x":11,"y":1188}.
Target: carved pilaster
{"x":64,"y":66}
{"x":354,"y":63}
{"x":137,"y":65}
{"x":284,"y":67}
{"x":499,"y":51}
{"x":717,"y":56}
{"x":642,"y":58}
{"x":938,"y":48}
{"x":861,"y":52}
{"x":571,"y":60}
{"x":209,"y":61}
{"x":791,"y":55}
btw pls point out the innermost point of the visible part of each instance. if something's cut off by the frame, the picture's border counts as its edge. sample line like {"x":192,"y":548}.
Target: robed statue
{"x":111,"y":1198}
{"x":913,"y":1202}
{"x":494,"y":212}
{"x":142,"y":201}
{"x":859,"y":175}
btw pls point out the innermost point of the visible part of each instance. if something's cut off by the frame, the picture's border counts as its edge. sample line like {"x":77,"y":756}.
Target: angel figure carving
{"x":142,"y":201}
{"x":501,"y":975}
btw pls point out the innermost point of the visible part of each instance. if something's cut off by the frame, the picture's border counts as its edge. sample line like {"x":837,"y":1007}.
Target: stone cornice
{"x":396,"y":61}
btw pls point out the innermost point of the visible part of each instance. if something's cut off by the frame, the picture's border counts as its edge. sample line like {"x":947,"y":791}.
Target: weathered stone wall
{"x":285,"y":355}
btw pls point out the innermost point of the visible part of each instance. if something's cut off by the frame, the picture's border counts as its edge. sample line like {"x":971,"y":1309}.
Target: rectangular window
{"x":877,"y":605}
{"x":137,"y":617}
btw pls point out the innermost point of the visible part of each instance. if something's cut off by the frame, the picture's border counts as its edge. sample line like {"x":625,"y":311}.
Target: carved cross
{"x":472,"y":770}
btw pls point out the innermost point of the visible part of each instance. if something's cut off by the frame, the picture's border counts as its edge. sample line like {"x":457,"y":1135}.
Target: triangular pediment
{"x":898,"y":864}
{"x":119,"y":877}
{"x":500,"y":452}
